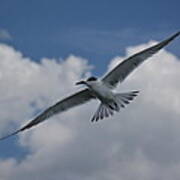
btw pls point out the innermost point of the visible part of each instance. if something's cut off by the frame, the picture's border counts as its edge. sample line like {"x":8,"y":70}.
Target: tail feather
{"x":125,"y":98}
{"x":106,"y":110}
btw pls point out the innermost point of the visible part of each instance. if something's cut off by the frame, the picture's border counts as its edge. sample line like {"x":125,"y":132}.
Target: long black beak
{"x":80,"y":82}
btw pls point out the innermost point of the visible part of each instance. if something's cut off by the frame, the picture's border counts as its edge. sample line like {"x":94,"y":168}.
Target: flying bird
{"x":101,"y":89}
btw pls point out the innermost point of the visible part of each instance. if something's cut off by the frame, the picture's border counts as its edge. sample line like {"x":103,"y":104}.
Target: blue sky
{"x":94,"y":30}
{"x":97,"y":30}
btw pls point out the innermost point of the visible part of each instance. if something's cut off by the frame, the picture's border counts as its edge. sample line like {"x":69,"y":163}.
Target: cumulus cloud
{"x":141,"y":142}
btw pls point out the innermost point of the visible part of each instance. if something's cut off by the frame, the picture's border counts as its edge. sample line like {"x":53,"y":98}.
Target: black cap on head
{"x":92,"y":78}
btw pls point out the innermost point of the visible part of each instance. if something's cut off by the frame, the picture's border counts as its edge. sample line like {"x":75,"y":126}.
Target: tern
{"x":101,"y":89}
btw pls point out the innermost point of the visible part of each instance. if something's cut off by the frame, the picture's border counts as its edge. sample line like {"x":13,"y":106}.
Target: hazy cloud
{"x":5,"y":35}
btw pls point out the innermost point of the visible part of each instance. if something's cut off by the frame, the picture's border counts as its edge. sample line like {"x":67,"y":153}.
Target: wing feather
{"x":67,"y":103}
{"x":121,"y":71}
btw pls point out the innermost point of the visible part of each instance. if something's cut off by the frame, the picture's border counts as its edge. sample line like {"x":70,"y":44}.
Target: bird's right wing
{"x":67,"y":103}
{"x":121,"y":71}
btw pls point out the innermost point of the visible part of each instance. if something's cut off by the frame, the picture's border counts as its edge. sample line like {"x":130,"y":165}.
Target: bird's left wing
{"x":67,"y":103}
{"x":121,"y":71}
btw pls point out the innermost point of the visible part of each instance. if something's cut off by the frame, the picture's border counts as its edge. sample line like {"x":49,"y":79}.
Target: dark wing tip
{"x":9,"y":135}
{"x":167,"y":41}
{"x":177,"y":34}
{"x":29,"y":125}
{"x":173,"y":36}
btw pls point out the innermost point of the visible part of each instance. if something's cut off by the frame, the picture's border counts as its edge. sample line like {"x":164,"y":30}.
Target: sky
{"x":45,"y":43}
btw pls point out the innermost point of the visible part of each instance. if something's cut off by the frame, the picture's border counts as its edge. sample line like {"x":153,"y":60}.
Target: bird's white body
{"x":101,"y":91}
{"x":110,"y":101}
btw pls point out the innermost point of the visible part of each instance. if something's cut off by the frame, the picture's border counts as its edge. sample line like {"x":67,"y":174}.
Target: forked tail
{"x":106,"y":110}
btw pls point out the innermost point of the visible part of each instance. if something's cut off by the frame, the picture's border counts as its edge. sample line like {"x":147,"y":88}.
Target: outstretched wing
{"x":121,"y":71}
{"x":67,"y":103}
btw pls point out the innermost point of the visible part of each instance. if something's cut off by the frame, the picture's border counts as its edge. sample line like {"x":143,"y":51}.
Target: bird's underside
{"x":109,"y":82}
{"x":121,"y":100}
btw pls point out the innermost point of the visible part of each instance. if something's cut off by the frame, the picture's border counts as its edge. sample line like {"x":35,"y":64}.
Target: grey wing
{"x":67,"y":103}
{"x":121,"y":71}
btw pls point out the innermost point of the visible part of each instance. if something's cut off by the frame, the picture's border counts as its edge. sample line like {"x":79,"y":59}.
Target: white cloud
{"x":141,"y":142}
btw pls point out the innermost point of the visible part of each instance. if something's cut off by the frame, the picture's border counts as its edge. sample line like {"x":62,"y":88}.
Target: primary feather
{"x":121,"y":71}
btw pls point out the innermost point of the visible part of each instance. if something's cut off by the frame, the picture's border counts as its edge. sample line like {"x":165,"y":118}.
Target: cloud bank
{"x":142,"y":142}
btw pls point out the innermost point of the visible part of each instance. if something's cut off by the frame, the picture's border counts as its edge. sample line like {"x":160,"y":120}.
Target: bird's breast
{"x":101,"y":91}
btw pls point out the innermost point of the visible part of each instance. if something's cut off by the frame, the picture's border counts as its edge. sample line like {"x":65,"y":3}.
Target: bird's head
{"x":90,"y":79}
